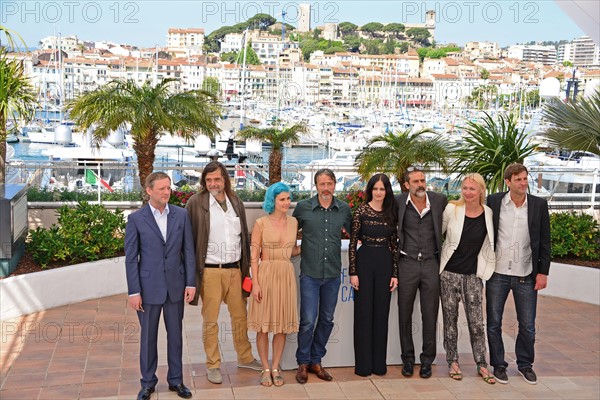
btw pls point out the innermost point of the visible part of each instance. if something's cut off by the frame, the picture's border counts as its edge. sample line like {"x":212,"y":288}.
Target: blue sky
{"x":145,"y":23}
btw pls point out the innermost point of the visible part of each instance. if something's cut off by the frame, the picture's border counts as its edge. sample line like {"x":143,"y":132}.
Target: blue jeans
{"x":318,"y":298}
{"x":525,"y":298}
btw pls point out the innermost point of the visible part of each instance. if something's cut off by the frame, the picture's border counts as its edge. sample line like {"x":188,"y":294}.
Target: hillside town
{"x":292,"y":74}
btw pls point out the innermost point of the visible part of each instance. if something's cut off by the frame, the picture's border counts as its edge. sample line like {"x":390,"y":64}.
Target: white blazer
{"x":452,"y":225}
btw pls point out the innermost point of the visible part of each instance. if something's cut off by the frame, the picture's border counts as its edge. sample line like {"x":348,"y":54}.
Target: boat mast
{"x":243,"y":88}
{"x":61,"y":80}
{"x":155,"y":75}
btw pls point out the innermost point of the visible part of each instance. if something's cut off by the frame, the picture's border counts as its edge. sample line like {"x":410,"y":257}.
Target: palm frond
{"x":393,"y":152}
{"x":277,"y":138}
{"x":150,"y":109}
{"x":489,"y":147}
{"x":576,"y":125}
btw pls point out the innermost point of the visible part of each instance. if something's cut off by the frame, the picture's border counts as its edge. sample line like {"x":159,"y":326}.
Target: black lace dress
{"x":375,"y":264}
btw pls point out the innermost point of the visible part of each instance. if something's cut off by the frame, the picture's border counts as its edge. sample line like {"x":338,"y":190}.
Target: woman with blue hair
{"x":273,"y":306}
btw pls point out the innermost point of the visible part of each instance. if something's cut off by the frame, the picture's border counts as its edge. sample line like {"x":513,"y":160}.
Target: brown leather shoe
{"x":318,"y":370}
{"x":302,"y":374}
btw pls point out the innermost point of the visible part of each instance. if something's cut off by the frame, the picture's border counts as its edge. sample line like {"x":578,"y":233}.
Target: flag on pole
{"x":92,"y":178}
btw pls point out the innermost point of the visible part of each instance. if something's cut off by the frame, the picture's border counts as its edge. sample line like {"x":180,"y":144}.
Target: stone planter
{"x":574,"y":283}
{"x":29,"y":293}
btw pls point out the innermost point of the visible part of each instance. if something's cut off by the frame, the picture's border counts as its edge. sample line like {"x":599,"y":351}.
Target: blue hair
{"x":272,"y":192}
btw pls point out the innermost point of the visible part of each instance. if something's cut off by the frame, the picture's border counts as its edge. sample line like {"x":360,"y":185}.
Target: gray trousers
{"x":455,"y":288}
{"x":423,"y":276}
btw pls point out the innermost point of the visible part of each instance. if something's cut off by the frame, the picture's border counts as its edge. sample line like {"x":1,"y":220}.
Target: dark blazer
{"x":155,"y":267}
{"x":198,"y":208}
{"x":438,"y":203}
{"x":538,"y":220}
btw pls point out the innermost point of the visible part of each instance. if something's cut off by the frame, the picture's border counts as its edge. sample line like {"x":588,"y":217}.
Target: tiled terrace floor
{"x":90,"y":350}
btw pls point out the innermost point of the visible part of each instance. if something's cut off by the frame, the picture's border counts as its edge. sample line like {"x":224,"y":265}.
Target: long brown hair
{"x":212,"y":167}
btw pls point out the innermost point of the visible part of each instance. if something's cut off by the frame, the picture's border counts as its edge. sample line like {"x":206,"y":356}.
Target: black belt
{"x":420,"y":256}
{"x":374,"y":245}
{"x":230,"y":265}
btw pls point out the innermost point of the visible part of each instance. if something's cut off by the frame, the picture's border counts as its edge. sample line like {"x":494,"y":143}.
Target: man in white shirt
{"x":222,"y":262}
{"x":522,"y":235}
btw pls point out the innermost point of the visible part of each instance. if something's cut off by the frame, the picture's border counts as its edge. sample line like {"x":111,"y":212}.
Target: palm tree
{"x":150,"y":110}
{"x":81,"y":47}
{"x":17,"y":97}
{"x":12,"y":38}
{"x":489,"y":147}
{"x":278,"y":138}
{"x":576,"y":124}
{"x":393,"y":153}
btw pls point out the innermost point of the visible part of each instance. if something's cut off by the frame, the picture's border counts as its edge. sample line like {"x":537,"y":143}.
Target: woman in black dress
{"x":373,"y":274}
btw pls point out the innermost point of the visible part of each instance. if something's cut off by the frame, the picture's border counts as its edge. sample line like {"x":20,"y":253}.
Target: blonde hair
{"x":478,"y":179}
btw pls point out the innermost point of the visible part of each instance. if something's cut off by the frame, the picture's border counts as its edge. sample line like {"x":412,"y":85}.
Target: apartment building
{"x":269,"y":47}
{"x":232,"y":42}
{"x":474,"y":50}
{"x":193,"y":74}
{"x":405,"y":63}
{"x":448,"y":90}
{"x":385,"y":91}
{"x":440,"y":66}
{"x":185,"y":42}
{"x":67,"y":43}
{"x":536,"y":53}
{"x":584,"y":53}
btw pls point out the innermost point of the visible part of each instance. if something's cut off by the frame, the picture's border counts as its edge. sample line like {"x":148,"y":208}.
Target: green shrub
{"x":85,"y":233}
{"x":574,"y":235}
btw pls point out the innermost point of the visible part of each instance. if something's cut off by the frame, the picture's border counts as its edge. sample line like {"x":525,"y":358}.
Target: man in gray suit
{"x":161,"y":274}
{"x":420,"y":241}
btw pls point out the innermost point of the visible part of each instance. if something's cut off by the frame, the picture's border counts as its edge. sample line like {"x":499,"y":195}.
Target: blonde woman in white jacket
{"x":467,"y":259}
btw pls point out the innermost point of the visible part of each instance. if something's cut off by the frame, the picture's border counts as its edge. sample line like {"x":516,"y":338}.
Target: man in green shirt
{"x":321,"y":219}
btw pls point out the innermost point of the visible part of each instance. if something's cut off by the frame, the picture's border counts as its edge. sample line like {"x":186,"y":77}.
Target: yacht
{"x":565,"y":175}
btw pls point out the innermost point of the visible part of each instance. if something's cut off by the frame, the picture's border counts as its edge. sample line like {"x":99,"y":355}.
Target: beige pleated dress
{"x":278,"y":310}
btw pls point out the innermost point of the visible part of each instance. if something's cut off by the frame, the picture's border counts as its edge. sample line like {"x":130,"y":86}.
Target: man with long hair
{"x":222,"y":262}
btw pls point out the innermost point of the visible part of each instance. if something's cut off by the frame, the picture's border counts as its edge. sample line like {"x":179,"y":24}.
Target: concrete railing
{"x":43,"y":214}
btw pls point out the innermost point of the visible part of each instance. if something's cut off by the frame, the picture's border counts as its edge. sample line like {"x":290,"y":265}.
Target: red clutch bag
{"x":247,"y":284}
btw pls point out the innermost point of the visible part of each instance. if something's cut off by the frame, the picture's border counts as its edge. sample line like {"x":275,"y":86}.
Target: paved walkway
{"x":90,"y":350}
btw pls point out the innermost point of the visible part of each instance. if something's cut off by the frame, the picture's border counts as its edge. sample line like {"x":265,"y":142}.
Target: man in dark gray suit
{"x":522,"y":232}
{"x":161,"y":273}
{"x":420,"y":241}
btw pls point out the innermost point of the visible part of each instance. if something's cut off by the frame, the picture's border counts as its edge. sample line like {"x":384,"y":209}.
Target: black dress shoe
{"x":425,"y":371}
{"x":181,"y":390}
{"x":145,"y":393}
{"x":408,"y":369}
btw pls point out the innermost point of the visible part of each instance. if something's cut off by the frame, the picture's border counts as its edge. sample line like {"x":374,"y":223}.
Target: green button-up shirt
{"x":322,"y":236}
